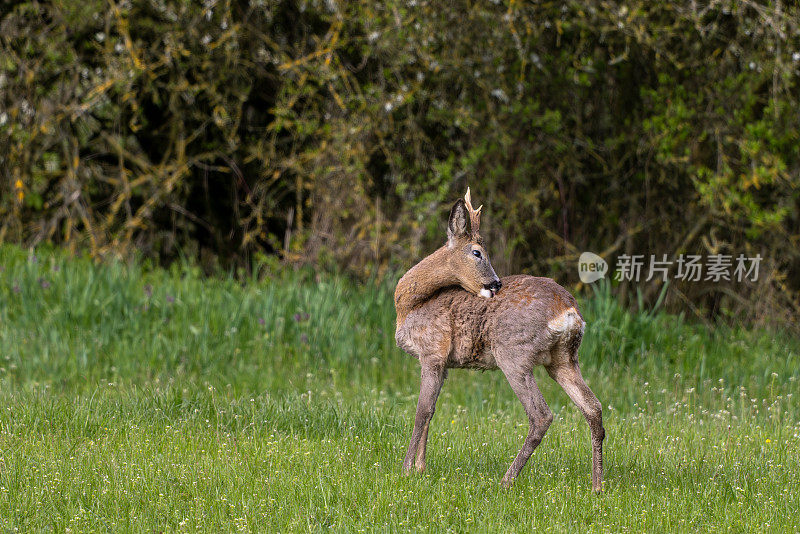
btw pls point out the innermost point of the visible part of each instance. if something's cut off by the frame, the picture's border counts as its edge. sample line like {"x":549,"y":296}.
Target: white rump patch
{"x":568,"y":321}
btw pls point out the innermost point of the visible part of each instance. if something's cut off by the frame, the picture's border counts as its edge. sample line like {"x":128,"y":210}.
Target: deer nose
{"x":497,"y":284}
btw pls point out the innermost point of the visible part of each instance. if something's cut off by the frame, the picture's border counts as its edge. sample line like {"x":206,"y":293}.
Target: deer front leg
{"x":430,"y":386}
{"x":538,"y":412}
{"x":419,"y":462}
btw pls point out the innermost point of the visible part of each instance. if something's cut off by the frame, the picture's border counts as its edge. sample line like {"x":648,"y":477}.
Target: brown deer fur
{"x":519,"y":322}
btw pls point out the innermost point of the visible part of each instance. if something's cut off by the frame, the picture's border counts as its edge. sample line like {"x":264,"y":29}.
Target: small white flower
{"x":100,"y":36}
{"x":796,"y":56}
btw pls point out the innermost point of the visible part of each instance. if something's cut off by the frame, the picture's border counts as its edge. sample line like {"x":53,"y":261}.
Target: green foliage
{"x":139,"y":399}
{"x":339,"y":133}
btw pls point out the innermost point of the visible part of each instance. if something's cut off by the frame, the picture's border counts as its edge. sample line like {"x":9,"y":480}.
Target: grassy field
{"x":135,"y":399}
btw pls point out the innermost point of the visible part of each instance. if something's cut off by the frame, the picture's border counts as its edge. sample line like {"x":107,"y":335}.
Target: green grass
{"x":135,"y":399}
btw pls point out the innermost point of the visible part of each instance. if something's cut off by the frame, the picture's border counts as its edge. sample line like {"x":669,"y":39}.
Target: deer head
{"x":466,"y":256}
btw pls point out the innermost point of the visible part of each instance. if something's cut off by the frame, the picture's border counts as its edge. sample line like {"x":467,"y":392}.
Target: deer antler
{"x":474,"y":214}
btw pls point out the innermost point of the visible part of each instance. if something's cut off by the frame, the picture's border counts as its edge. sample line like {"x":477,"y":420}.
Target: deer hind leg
{"x":537,"y":410}
{"x":430,"y":386}
{"x":568,"y":375}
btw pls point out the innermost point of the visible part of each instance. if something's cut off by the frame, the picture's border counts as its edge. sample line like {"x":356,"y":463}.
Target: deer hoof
{"x":507,"y":482}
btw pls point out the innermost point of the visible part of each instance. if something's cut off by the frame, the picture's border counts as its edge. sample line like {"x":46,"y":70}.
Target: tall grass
{"x":143,"y":399}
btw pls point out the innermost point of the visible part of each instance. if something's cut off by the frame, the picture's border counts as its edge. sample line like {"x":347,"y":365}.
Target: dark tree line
{"x":339,"y":133}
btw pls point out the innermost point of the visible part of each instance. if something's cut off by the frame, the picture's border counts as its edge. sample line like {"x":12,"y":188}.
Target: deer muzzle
{"x":490,"y":289}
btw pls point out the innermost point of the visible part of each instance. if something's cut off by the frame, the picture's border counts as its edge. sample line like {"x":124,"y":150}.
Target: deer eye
{"x":476,"y":253}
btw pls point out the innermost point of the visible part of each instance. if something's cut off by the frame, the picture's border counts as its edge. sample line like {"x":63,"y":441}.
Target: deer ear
{"x":458,"y":225}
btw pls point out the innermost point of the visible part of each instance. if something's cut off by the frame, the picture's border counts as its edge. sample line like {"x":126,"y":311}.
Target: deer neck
{"x":422,"y":281}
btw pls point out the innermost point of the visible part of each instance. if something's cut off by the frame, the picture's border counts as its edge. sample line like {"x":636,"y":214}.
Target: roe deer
{"x":513,"y":324}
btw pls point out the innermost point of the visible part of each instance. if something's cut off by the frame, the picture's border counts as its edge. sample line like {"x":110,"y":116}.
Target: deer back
{"x":529,"y":316}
